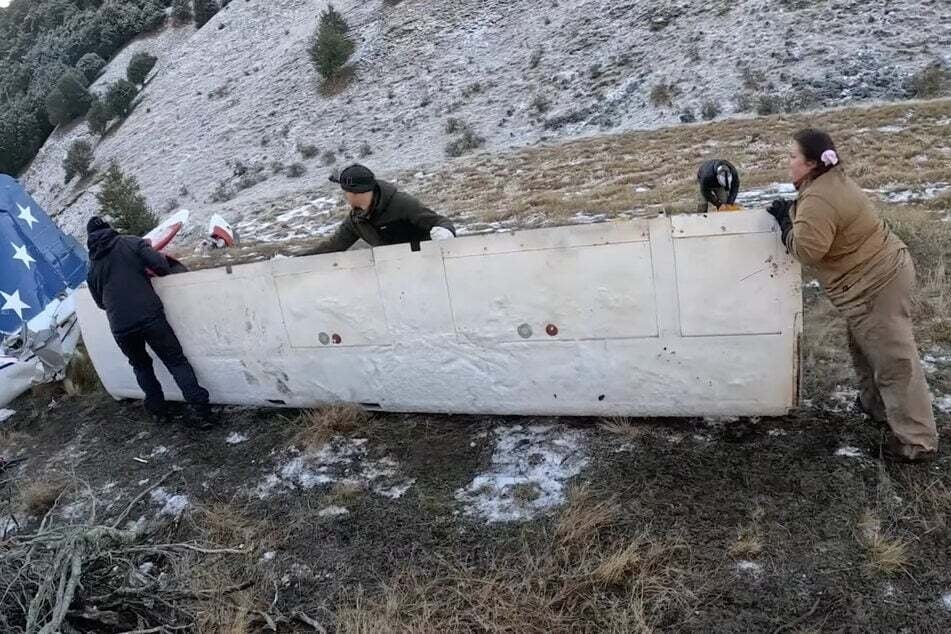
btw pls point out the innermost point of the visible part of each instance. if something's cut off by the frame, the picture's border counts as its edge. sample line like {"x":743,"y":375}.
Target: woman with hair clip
{"x":869,"y":276}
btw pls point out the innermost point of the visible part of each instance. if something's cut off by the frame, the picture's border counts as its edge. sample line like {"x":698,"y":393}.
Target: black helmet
{"x":719,"y":182}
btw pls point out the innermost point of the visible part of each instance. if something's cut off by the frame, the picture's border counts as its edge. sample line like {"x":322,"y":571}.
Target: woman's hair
{"x":817,"y":145}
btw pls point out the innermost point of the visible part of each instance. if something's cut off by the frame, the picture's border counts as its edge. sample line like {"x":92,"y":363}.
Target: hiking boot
{"x":161,"y":415}
{"x":202,"y":416}
{"x":894,"y":451}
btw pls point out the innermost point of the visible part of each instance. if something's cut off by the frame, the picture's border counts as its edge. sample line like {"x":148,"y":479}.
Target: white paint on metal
{"x":689,"y":315}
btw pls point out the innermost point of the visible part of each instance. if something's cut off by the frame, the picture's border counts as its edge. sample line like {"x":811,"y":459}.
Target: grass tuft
{"x":317,"y":426}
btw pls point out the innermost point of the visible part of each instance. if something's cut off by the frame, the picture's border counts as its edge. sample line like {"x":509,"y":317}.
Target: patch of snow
{"x":849,"y":452}
{"x":74,"y":510}
{"x":161,"y":450}
{"x":172,"y":505}
{"x":776,"y":432}
{"x":235,"y":438}
{"x":539,"y":459}
{"x":754,"y":198}
{"x":6,"y":413}
{"x":935,"y":360}
{"x":891,"y":129}
{"x":944,"y":403}
{"x":268,"y":556}
{"x":720,"y":421}
{"x":333,"y":511}
{"x":143,"y":482}
{"x":396,"y":491}
{"x":812,"y":284}
{"x":905,"y":194}
{"x":341,"y":459}
{"x":702,"y":438}
{"x":641,"y":189}
{"x":749,"y":567}
{"x":946,"y":601}
{"x":888,"y":589}
{"x":8,"y":526}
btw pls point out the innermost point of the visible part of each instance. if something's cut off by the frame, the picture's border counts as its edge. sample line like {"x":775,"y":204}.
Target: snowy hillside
{"x":242,"y":90}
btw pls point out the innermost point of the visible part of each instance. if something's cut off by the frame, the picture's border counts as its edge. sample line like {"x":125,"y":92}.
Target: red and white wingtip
{"x":160,"y":236}
{"x":220,"y":232}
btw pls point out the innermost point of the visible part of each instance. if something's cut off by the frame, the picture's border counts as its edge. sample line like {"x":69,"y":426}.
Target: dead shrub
{"x":81,"y":375}
{"x":662,"y":95}
{"x":307,"y":150}
{"x":931,"y":81}
{"x":317,"y":426}
{"x":39,"y":496}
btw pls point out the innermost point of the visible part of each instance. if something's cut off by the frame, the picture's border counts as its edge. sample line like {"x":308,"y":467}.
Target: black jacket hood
{"x":100,"y":243}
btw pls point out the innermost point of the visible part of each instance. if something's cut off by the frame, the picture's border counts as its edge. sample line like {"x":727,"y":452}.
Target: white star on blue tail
{"x":26,"y":215}
{"x":19,"y":253}
{"x":14,"y":303}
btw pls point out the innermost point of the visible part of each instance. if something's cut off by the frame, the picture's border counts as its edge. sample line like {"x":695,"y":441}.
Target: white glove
{"x":440,"y":233}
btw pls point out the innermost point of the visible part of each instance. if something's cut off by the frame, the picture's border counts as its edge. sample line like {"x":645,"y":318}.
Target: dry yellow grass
{"x":39,"y":496}
{"x":591,"y":582}
{"x":886,"y":555}
{"x":231,"y":589}
{"x":625,"y":428}
{"x":583,"y":516}
{"x":81,"y":376}
{"x":342,"y":493}
{"x":12,"y":441}
{"x":317,"y":426}
{"x":750,"y":539}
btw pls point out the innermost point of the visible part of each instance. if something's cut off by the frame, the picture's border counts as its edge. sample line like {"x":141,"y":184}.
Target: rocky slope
{"x":228,"y":105}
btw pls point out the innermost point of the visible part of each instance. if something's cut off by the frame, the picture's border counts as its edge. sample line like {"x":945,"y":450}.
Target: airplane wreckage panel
{"x":682,"y":316}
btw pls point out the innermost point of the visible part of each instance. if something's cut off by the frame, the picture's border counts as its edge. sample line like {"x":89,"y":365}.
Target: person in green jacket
{"x":380,"y":214}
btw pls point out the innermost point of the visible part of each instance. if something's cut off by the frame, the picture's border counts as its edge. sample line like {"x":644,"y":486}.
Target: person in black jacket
{"x":380,"y":214}
{"x":119,"y":284}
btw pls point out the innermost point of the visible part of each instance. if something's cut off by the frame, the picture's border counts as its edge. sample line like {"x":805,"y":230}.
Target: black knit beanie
{"x":95,"y":224}
{"x":356,"y":178}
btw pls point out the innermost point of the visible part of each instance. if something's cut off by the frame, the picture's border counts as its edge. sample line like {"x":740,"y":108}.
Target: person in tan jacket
{"x":869,"y":276}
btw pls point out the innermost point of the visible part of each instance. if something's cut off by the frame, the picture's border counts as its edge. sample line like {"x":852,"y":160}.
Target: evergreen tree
{"x":120,"y":96}
{"x":120,"y":199}
{"x":90,"y":65}
{"x":204,"y":10}
{"x":98,"y":116}
{"x":69,"y":98}
{"x":140,"y":66}
{"x":182,"y":11}
{"x":78,"y":159}
{"x":331,"y":47}
{"x":21,"y":135}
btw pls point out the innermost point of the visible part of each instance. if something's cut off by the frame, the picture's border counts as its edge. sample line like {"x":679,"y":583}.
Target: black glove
{"x":780,"y":211}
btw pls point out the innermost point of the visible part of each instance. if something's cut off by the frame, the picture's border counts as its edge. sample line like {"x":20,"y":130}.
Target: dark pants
{"x":159,"y":336}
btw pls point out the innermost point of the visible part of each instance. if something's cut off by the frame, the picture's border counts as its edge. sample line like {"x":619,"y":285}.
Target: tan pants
{"x":891,"y":379}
